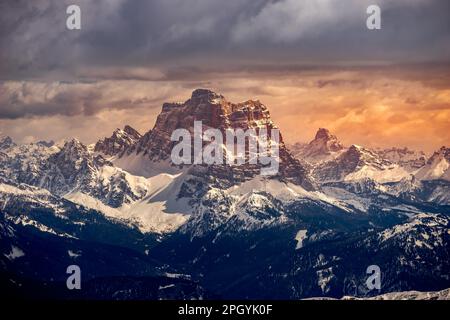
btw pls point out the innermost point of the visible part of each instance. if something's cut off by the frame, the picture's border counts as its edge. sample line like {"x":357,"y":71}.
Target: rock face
{"x":437,"y":167}
{"x":325,"y":146}
{"x":356,"y":163}
{"x":74,"y":168}
{"x":325,"y":143}
{"x":6,"y":142}
{"x":206,"y":106}
{"x":330,"y":161}
{"x":118,"y":142}
{"x":24,"y":163}
{"x":71,"y":168}
{"x":409,"y":159}
{"x":214,"y":111}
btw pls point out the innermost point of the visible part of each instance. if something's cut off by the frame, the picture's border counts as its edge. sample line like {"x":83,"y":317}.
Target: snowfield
{"x":158,"y":211}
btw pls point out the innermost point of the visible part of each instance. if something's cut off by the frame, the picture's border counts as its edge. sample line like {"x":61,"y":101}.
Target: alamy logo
{"x":74,"y":280}
{"x":73,"y":21}
{"x":374,"y":280}
{"x":236,"y":148}
{"x":373,"y":22}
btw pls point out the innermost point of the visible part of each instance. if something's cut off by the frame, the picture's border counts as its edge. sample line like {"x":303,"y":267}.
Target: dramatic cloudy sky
{"x":312,"y":62}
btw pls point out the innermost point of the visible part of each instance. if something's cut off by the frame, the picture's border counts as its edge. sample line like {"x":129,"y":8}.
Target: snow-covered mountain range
{"x":229,"y":230}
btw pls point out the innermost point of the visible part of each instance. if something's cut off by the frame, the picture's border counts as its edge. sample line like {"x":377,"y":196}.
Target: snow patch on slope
{"x":438,"y":170}
{"x":159,"y":211}
{"x":299,"y":237}
{"x":283,"y":191}
{"x":141,"y":165}
{"x":15,"y":253}
{"x":391,"y":174}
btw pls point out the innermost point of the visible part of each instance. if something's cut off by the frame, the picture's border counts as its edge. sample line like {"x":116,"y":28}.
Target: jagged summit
{"x":74,"y":145}
{"x":74,"y":155}
{"x":131,"y":131}
{"x":214,"y":111}
{"x":354,"y":148}
{"x":358,"y":163}
{"x":442,"y":152}
{"x":324,"y":147}
{"x":47,"y":144}
{"x":409,"y":159}
{"x":6,"y":142}
{"x":205,"y":94}
{"x":323,"y":134}
{"x":206,"y":106}
{"x":437,"y":166}
{"x":119,"y":141}
{"x":327,"y":141}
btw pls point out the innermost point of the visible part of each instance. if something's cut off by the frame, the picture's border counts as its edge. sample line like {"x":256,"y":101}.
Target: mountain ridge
{"x":228,"y":230}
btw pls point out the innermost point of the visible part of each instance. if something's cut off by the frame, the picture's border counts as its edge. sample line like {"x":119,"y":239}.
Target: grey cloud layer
{"x":41,"y":99}
{"x":163,"y":34}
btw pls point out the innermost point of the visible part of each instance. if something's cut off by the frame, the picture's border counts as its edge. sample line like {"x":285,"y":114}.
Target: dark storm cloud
{"x":36,"y":99}
{"x":63,"y":104}
{"x":24,"y":101}
{"x":182,"y":33}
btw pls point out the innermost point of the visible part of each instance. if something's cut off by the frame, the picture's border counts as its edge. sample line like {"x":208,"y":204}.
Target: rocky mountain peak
{"x":353,"y":158}
{"x":437,"y":166}
{"x":46,"y":144}
{"x":6,"y":142}
{"x":352,"y":164}
{"x":214,"y":111}
{"x":131,"y":131}
{"x":362,"y":156}
{"x":354,"y":149}
{"x":323,"y":134}
{"x":119,"y":141}
{"x":442,"y":153}
{"x":411,"y":160}
{"x":206,"y":95}
{"x":327,"y":141}
{"x":324,"y":147}
{"x":73,"y":153}
{"x":74,"y":146}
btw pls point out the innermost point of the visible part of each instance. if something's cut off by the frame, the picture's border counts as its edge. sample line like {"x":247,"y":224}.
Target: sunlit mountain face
{"x":212,"y":150}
